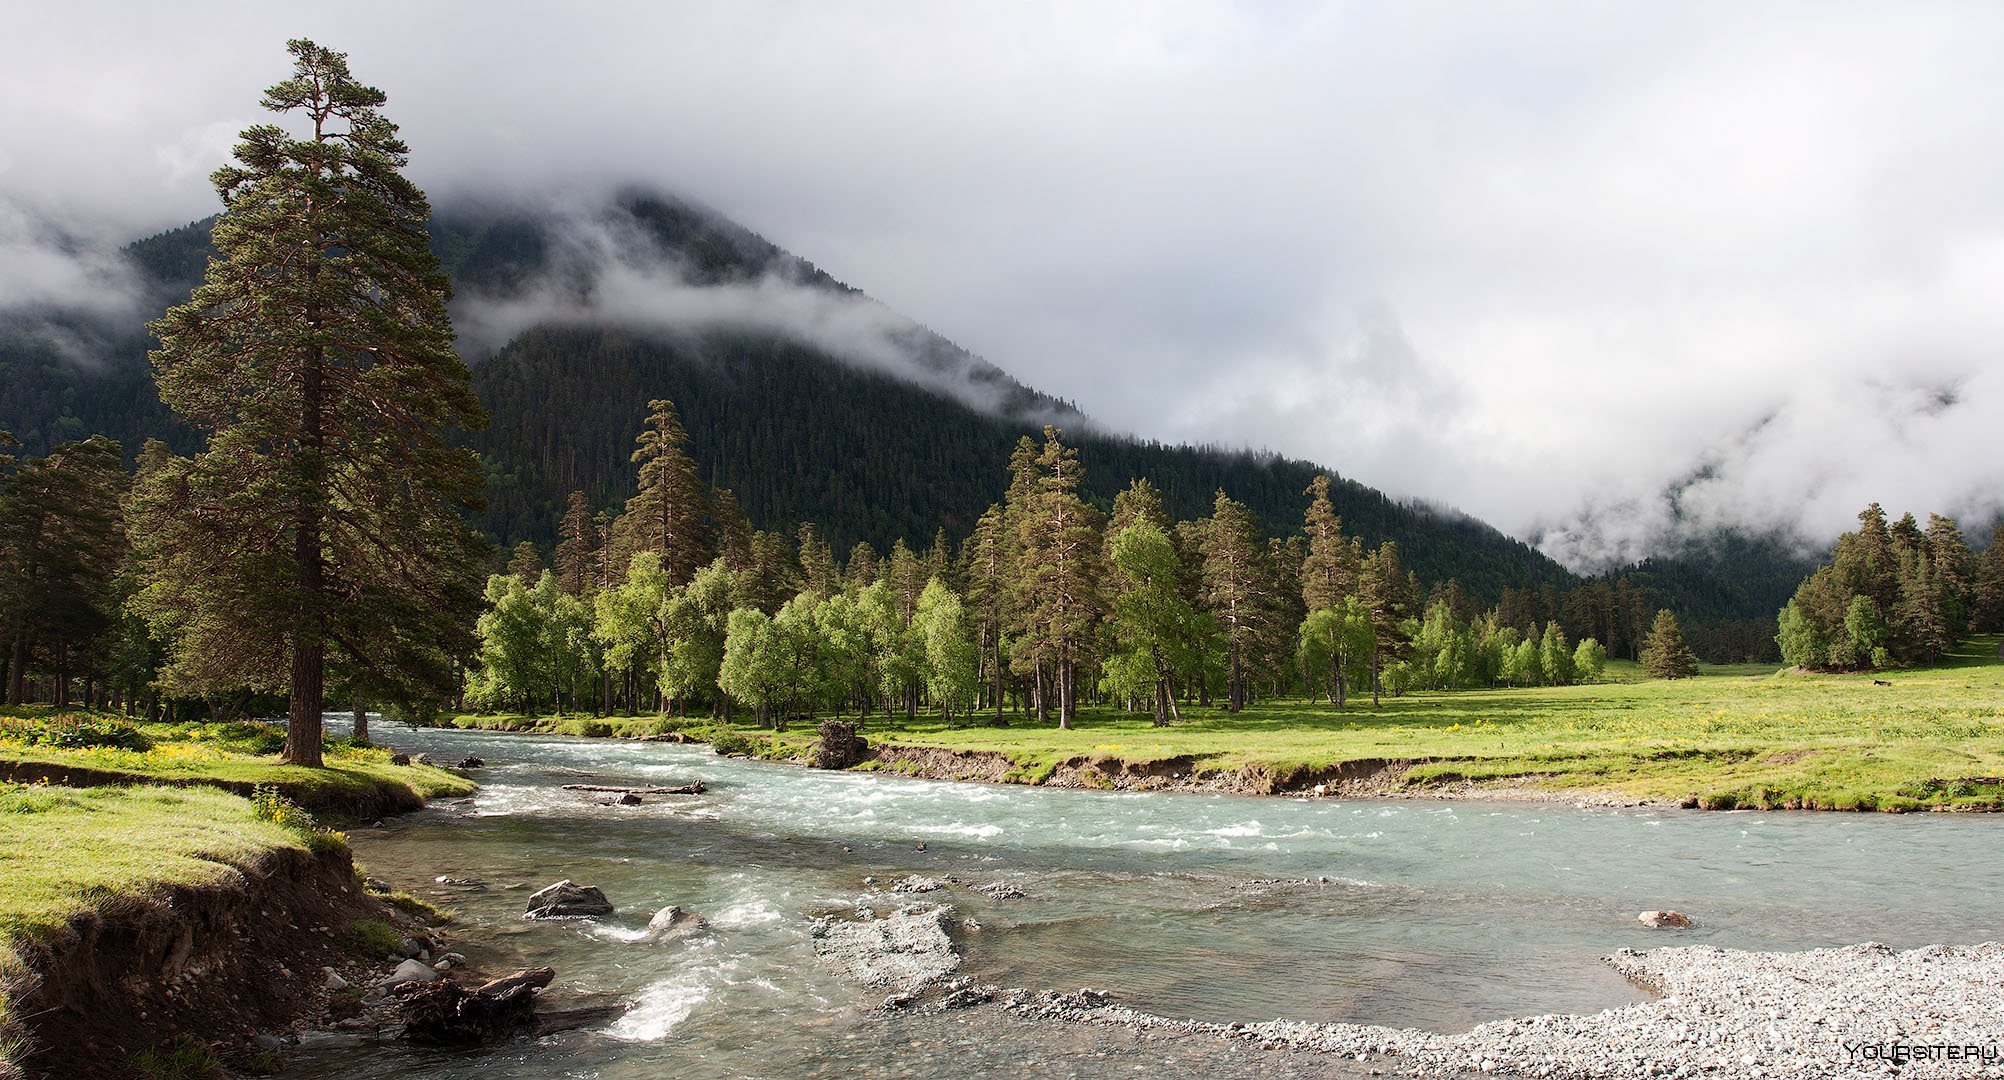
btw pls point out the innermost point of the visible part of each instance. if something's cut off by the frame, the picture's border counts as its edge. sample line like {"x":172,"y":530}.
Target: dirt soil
{"x":222,"y":963}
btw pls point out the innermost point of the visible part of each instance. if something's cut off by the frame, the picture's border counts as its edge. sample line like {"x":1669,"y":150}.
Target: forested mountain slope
{"x":807,"y":399}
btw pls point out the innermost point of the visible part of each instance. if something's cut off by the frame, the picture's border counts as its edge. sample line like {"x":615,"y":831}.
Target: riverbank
{"x":162,"y":881}
{"x":145,"y":927}
{"x":1928,"y":739}
{"x":1933,"y":1011}
{"x":74,"y":748}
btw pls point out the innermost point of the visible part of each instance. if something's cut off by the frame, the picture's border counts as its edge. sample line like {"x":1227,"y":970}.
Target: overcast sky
{"x":1547,"y":263}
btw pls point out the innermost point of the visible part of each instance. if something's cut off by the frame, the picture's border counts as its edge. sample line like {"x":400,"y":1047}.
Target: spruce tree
{"x":1664,"y":654}
{"x":317,"y":359}
{"x":1329,"y":573}
{"x":1060,"y":573}
{"x":1987,"y":613}
{"x":817,"y":564}
{"x":1389,"y":596}
{"x":665,"y":516}
{"x":577,"y":548}
{"x":1235,"y":580}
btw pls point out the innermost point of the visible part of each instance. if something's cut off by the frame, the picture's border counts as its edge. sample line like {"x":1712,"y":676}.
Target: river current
{"x":1434,"y":914}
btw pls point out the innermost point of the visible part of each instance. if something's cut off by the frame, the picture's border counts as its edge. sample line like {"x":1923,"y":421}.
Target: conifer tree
{"x":817,"y":564}
{"x":1664,"y":654}
{"x":1389,"y":596}
{"x":325,"y":511}
{"x":665,"y":516}
{"x":577,"y":548}
{"x":526,"y":564}
{"x":1329,"y":573}
{"x":1060,"y":572}
{"x":986,"y":570}
{"x":61,"y":547}
{"x":1234,"y":589}
{"x":861,"y":569}
{"x":1988,"y":604}
{"x":731,"y":528}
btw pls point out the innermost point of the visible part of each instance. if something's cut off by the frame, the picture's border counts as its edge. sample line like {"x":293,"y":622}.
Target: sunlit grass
{"x":1747,"y":735}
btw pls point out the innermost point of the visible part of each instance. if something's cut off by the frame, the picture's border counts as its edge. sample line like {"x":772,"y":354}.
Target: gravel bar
{"x":1861,"y":1010}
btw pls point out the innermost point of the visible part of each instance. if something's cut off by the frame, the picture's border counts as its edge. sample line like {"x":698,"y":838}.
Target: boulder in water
{"x":673,"y":922}
{"x":1665,"y":920}
{"x":568,"y":900}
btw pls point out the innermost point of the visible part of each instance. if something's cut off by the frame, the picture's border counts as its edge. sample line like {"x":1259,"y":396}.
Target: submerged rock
{"x":906,"y":950}
{"x":917,"y":884}
{"x":1000,"y":890}
{"x":673,"y":922}
{"x":1665,"y":920}
{"x":567,"y":900}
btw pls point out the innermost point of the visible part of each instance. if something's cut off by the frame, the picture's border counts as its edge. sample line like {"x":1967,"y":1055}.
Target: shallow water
{"x":1435,"y":914}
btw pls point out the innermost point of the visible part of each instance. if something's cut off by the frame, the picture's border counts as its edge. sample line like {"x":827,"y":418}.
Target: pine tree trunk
{"x":1064,"y":694}
{"x":17,"y":682}
{"x":361,"y":722}
{"x":309,"y":646}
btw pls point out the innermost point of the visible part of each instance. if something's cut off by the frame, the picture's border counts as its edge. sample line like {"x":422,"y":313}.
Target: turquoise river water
{"x":1436,"y":914}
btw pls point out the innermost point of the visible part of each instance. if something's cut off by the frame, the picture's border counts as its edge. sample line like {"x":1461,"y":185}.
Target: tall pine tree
{"x":325,"y":511}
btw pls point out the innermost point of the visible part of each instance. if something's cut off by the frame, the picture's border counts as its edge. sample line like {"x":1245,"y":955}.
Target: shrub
{"x":76,"y":731}
{"x":186,"y":1058}
{"x":375,"y":936}
{"x":730,"y":742}
{"x":267,"y":804}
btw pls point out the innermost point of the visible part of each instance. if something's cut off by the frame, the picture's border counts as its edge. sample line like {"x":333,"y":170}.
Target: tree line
{"x":1893,"y":594}
{"x":1047,"y":604}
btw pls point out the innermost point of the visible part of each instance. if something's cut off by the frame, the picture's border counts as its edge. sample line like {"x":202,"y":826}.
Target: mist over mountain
{"x":806,"y":398}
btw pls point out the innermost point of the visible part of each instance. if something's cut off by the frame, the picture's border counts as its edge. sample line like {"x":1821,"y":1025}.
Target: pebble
{"x":1782,"y":1015}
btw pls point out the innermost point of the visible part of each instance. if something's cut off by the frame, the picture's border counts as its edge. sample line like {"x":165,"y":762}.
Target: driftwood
{"x":696,"y":788}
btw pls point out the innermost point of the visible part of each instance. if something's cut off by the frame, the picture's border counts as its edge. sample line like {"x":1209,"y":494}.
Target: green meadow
{"x":1741,"y":736}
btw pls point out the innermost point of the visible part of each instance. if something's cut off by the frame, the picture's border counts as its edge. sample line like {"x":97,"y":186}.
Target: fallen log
{"x":696,"y":788}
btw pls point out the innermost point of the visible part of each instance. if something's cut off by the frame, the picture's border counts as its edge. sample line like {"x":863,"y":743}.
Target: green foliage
{"x":1664,"y":654}
{"x":1890,"y":595}
{"x":321,"y":518}
{"x":73,"y":731}
{"x":267,"y":804}
{"x":184,"y":1058}
{"x":375,"y":936}
{"x":731,"y":743}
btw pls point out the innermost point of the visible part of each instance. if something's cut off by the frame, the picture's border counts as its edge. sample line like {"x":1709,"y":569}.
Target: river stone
{"x":917,"y":884}
{"x":567,"y":899}
{"x":410,"y":971}
{"x":334,"y":980}
{"x":906,"y":950}
{"x":672,"y":922}
{"x":1665,"y":920}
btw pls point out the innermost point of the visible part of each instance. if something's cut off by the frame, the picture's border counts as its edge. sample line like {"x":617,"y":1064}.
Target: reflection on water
{"x":1439,"y":915}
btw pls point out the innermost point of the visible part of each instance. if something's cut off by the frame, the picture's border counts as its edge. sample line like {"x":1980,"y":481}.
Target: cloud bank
{"x":1598,"y":274}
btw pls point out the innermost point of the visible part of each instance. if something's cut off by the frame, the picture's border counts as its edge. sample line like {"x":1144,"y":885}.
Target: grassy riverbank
{"x":1736,"y":737}
{"x":80,"y":749}
{"x":115,"y":816}
{"x":71,"y":853}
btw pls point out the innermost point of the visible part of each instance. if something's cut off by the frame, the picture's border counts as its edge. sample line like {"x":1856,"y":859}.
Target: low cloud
{"x":603,"y":268}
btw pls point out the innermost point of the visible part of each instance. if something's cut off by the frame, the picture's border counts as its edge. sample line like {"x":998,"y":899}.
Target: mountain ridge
{"x":789,"y":381}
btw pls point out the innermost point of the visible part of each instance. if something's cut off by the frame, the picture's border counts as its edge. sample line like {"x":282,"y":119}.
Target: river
{"x":1434,"y":914}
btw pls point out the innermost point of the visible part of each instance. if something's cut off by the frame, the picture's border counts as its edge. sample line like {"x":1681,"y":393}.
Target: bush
{"x":76,"y":731}
{"x":375,"y":936}
{"x":730,"y":742}
{"x":267,"y":804}
{"x":186,"y":1058}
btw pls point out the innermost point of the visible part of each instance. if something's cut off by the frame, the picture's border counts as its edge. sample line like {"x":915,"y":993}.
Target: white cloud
{"x":1543,"y":262}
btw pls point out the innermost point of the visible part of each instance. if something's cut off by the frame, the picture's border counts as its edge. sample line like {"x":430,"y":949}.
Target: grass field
{"x":1744,"y":736}
{"x":37,"y":740}
{"x":66,"y":852}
